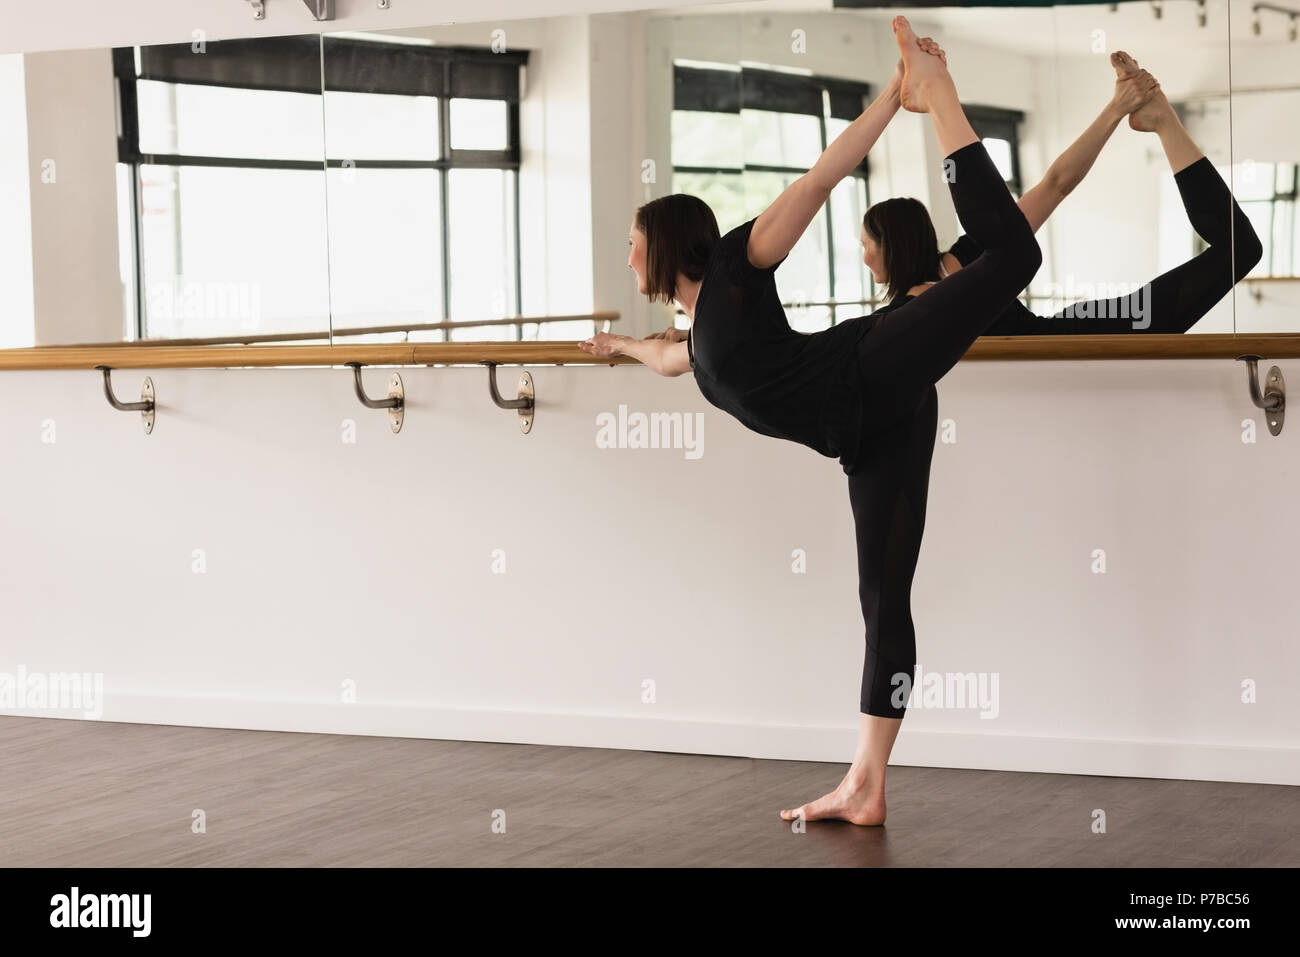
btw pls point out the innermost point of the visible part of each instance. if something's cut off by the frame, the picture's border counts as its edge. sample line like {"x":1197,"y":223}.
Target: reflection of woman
{"x":897,"y":233}
{"x":863,"y":390}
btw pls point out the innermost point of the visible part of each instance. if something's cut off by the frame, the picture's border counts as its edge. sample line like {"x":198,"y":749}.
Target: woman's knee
{"x":1027,"y":257}
{"x":1247,"y":249}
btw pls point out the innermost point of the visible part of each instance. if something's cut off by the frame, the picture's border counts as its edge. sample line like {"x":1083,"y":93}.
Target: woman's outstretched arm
{"x":779,"y":227}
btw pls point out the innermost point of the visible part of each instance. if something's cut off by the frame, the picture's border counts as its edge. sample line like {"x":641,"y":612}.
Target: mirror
{"x":461,"y":189}
{"x":171,"y":192}
{"x":1264,"y":152}
{"x":475,"y":181}
{"x":1032,"y":80}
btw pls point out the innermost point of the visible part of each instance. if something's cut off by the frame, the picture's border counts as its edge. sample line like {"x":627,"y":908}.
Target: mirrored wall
{"x":477,"y":181}
{"x":168,"y":192}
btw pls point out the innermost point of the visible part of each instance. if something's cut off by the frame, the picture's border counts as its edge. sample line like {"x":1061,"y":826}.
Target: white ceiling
{"x":1057,"y":31}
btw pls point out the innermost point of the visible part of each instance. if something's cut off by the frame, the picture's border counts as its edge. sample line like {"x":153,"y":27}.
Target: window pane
{"x":478,"y":124}
{"x":233,"y":251}
{"x":724,"y":193}
{"x":482,"y":230}
{"x":1285,"y":178}
{"x":222,"y":121}
{"x":1295,"y":242}
{"x":781,"y":139}
{"x":385,"y":248}
{"x":1283,"y":231}
{"x":706,"y":139}
{"x":848,"y":206}
{"x":1252,"y":181}
{"x":363,"y":126}
{"x":999,"y":151}
{"x":804,"y":276}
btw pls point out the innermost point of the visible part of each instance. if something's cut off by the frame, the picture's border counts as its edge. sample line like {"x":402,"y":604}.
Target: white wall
{"x":17,"y":322}
{"x":480,"y":584}
{"x":72,"y":149}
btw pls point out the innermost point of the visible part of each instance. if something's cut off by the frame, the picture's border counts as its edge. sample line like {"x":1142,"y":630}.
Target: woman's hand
{"x":672,"y":334}
{"x":603,"y":345}
{"x":930,"y":46}
{"x":1134,"y":90}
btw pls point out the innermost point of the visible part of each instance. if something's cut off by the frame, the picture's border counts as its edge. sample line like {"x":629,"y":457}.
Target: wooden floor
{"x":82,"y":793}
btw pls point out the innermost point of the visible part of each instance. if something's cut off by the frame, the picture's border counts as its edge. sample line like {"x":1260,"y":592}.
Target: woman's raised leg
{"x":1175,"y":301}
{"x":912,"y":347}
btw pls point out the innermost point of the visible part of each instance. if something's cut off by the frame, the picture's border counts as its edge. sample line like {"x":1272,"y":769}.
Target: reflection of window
{"x":740,"y":136}
{"x":1266,"y":193}
{"x":999,"y":130}
{"x":219,"y":162}
{"x":222,"y":156}
{"x":423,"y":150}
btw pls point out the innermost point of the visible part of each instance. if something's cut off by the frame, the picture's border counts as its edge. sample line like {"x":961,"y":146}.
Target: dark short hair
{"x":903,"y":229}
{"x":680,"y":233}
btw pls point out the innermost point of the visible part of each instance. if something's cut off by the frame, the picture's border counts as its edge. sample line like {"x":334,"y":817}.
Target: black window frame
{"x":1003,"y":124}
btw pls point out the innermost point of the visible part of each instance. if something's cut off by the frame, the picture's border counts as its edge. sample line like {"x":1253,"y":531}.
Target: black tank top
{"x":791,"y":385}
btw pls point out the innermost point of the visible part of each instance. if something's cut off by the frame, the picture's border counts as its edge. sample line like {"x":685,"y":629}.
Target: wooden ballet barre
{"x":133,"y":356}
{"x":607,"y":315}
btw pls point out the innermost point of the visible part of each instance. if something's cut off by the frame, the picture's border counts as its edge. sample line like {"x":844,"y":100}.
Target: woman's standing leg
{"x":901,"y":358}
{"x":887,"y":491}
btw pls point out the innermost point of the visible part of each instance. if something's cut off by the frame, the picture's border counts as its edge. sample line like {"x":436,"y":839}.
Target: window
{"x":741,"y":135}
{"x":1266,"y":193}
{"x":999,"y":131}
{"x":221,"y":179}
{"x":259,"y":204}
{"x":422,"y":143}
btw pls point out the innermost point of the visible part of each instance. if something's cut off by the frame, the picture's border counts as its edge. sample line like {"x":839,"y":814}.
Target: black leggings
{"x":1175,"y":301}
{"x":900,"y":360}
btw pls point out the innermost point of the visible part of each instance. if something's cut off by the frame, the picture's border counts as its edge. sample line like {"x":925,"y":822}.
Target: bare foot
{"x":1125,"y":65}
{"x":923,"y":71}
{"x":1155,"y":110}
{"x":858,"y":803}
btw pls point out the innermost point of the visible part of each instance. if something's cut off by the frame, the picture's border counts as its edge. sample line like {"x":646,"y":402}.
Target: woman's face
{"x":636,"y":255}
{"x":872,"y":257}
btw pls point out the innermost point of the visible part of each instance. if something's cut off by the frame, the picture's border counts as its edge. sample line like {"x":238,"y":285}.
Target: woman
{"x":863,"y":390}
{"x":901,"y":251}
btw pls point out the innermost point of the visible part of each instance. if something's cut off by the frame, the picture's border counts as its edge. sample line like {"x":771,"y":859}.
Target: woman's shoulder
{"x":731,"y":253}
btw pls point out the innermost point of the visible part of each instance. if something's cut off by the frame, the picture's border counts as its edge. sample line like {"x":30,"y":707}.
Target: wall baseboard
{"x":1177,"y":760}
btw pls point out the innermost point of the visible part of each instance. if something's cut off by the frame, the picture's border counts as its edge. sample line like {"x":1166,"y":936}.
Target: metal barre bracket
{"x":395,"y":403}
{"x":145,"y":406}
{"x":319,"y":9}
{"x":1273,"y":401}
{"x":526,"y":403}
